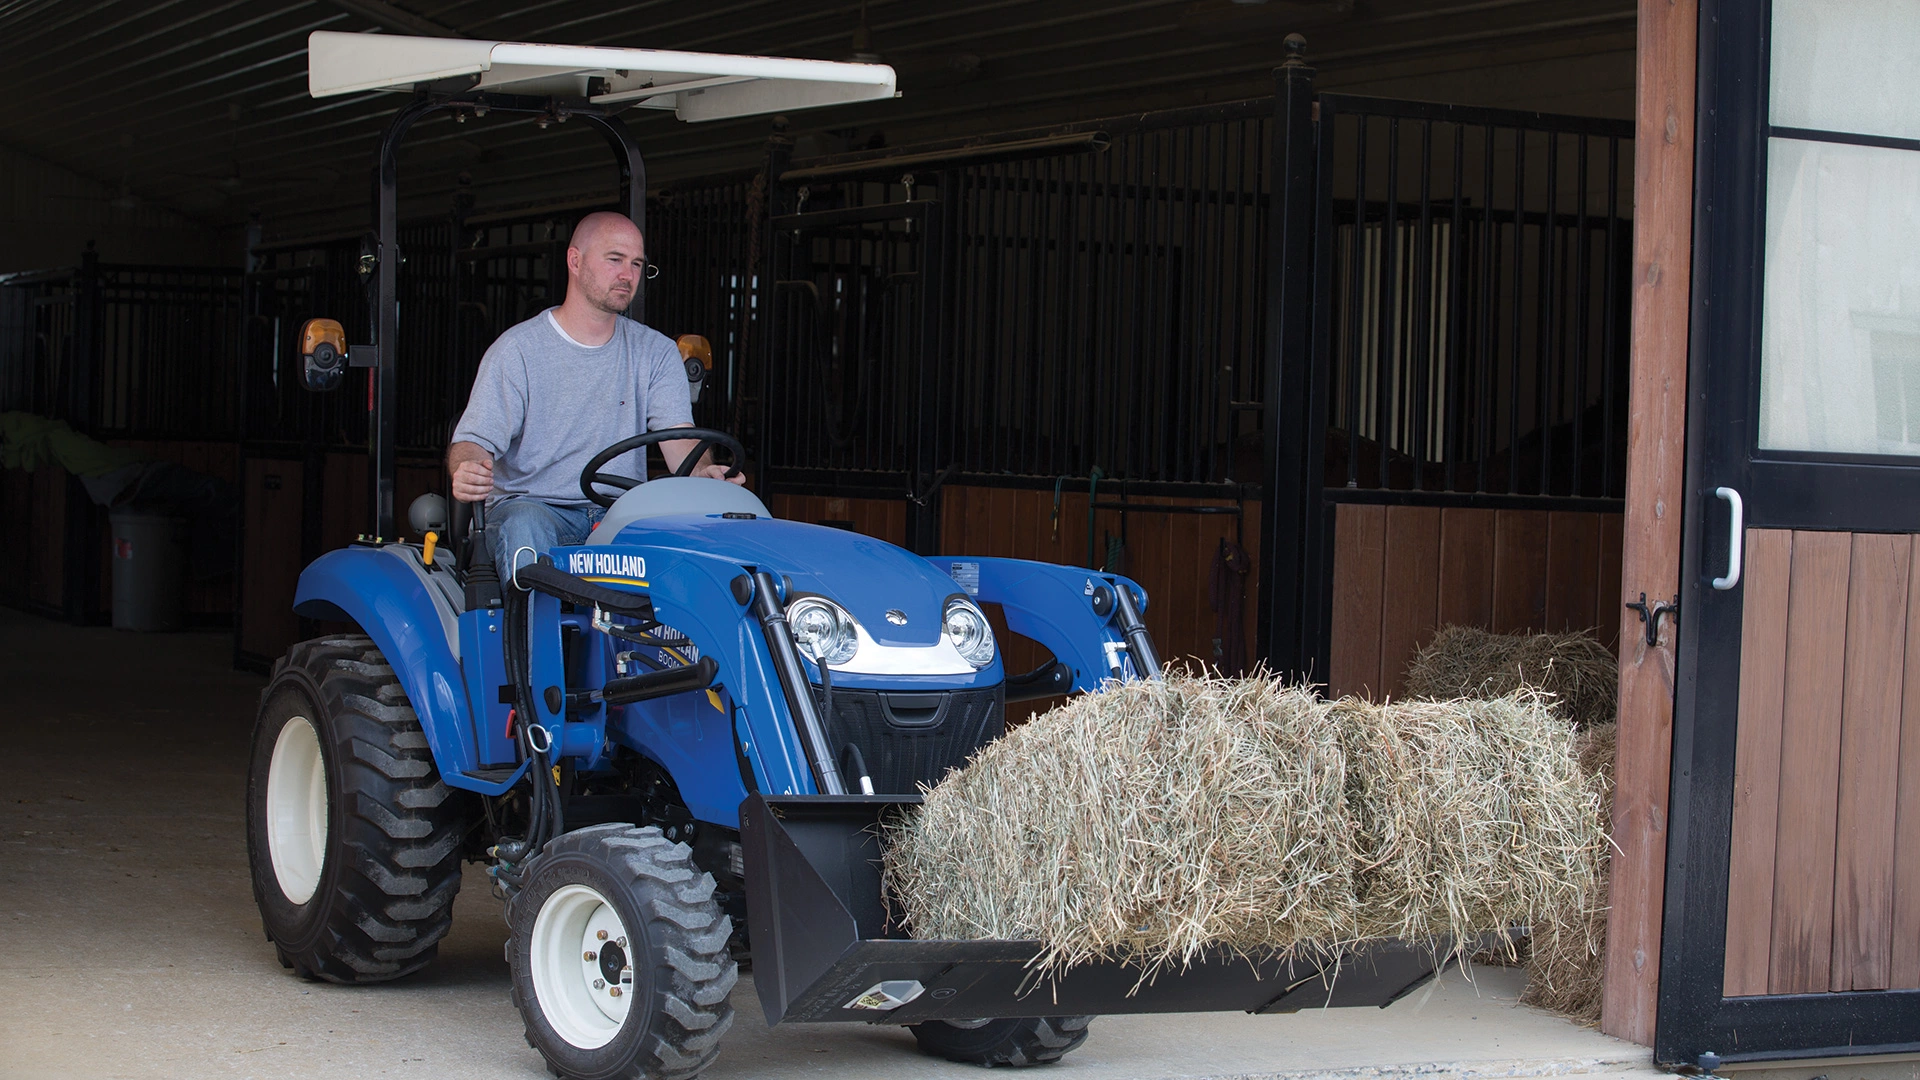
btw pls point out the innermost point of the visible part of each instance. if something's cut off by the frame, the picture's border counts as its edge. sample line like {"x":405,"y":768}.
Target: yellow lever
{"x":426,"y":549}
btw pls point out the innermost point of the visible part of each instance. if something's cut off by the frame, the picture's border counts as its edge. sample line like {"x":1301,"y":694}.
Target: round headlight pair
{"x":966,"y":626}
{"x":823,"y":630}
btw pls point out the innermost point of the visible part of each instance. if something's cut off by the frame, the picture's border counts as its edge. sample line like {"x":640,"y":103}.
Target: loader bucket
{"x":823,"y":948}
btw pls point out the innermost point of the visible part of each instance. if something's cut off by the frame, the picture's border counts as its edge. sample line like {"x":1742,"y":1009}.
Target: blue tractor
{"x":671,"y":745}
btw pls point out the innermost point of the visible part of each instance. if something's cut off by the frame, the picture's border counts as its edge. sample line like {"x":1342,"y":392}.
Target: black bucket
{"x":823,"y":949}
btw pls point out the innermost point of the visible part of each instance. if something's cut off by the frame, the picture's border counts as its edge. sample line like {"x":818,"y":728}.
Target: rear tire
{"x":1016,"y":1042}
{"x":652,"y":1001}
{"x":353,"y":840}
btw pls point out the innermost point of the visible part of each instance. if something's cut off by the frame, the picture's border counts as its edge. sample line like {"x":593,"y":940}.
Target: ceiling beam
{"x":391,"y":17}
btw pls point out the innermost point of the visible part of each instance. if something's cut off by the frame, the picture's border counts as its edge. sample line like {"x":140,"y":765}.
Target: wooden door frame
{"x":1663,"y":213}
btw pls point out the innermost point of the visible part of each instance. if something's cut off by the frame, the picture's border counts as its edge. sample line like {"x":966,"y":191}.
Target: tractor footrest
{"x":824,"y":951}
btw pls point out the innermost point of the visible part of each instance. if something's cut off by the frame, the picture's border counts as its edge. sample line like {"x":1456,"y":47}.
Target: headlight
{"x":822,"y":630}
{"x":967,"y":628}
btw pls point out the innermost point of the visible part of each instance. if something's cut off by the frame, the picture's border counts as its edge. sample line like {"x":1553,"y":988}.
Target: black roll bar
{"x":382,"y":289}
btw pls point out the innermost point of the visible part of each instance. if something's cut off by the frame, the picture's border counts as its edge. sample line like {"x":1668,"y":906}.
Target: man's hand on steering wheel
{"x":705,"y":439}
{"x":720,"y":472}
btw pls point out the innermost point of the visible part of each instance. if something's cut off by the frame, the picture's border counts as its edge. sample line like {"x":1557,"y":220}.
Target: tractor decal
{"x":608,"y":566}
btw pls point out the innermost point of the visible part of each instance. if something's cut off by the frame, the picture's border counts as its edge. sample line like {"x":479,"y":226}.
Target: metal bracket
{"x":932,"y":489}
{"x":1650,"y":615}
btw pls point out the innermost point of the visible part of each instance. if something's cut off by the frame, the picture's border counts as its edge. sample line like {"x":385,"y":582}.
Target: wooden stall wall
{"x":16,"y":535}
{"x":1823,"y":890}
{"x":285,"y":525}
{"x":883,"y":519}
{"x":1402,"y":572}
{"x":33,"y":506}
{"x":1170,"y":555}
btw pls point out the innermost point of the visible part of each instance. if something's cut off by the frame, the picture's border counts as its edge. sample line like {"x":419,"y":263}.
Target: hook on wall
{"x":1650,"y":615}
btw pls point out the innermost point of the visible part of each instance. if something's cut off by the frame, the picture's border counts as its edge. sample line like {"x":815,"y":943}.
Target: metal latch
{"x":1650,"y":615}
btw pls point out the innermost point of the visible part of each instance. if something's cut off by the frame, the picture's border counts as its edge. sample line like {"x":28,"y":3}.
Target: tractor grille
{"x":910,"y":738}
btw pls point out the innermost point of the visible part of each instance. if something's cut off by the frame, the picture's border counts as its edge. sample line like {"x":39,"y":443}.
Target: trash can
{"x":149,"y":571}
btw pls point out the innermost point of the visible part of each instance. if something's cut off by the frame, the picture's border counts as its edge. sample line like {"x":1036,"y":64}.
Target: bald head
{"x":603,"y":225}
{"x":605,"y":260}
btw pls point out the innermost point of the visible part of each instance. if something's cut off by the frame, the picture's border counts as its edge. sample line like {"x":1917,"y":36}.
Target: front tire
{"x":619,"y":957}
{"x":353,"y":840}
{"x":1015,"y":1042}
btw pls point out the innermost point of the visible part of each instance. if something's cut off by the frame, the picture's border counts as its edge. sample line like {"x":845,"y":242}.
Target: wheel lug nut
{"x":613,"y":991}
{"x":601,"y":934}
{"x":599,"y":984}
{"x":590,"y":956}
{"x":622,"y":943}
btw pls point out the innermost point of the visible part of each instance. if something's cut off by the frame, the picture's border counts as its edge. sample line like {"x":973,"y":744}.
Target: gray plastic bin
{"x":149,"y":571}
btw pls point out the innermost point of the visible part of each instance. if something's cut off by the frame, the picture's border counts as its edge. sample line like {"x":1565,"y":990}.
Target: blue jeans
{"x":519,"y":522}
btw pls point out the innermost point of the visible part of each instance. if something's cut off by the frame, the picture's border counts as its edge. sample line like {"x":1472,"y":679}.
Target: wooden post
{"x":1656,"y":437}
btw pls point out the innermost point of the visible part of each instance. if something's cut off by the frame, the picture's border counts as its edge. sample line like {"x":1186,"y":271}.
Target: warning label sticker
{"x":967,"y":576}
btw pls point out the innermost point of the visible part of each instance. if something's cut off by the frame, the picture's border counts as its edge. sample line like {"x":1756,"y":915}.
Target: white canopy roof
{"x":696,"y":86}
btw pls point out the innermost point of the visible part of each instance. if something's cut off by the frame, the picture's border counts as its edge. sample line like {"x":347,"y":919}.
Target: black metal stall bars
{"x":1449,"y":325}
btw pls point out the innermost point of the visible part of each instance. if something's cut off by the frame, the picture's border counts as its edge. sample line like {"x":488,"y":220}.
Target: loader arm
{"x":1081,"y":616}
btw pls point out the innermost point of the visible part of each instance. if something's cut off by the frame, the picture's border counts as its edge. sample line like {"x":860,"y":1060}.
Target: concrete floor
{"x":130,"y":947}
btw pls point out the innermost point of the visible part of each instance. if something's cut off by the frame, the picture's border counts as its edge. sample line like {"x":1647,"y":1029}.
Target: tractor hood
{"x":869,"y":578}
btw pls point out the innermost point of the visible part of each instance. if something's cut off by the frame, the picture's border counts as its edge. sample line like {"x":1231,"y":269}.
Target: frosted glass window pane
{"x":1840,"y":338}
{"x":1847,"y":65}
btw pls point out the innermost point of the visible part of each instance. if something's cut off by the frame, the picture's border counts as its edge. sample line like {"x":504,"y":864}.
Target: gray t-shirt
{"x":543,"y":404}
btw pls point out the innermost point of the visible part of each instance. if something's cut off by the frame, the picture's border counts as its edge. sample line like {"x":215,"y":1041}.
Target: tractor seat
{"x":672,"y":496}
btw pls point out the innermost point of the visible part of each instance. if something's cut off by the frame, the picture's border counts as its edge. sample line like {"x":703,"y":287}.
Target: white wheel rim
{"x":297,"y":809}
{"x":571,"y":966}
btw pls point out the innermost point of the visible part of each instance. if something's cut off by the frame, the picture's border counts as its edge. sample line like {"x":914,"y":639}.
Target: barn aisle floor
{"x":130,"y":947}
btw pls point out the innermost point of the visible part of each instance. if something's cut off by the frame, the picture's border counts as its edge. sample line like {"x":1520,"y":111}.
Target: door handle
{"x":1735,"y":534}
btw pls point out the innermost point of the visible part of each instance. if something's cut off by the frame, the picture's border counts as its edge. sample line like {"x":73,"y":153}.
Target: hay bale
{"x":1156,"y":819}
{"x":1470,"y":816}
{"x":1150,"y":820}
{"x":1581,"y":674}
{"x":1567,"y":966}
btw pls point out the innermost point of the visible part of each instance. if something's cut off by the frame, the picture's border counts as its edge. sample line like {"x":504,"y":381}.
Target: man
{"x":560,"y":387}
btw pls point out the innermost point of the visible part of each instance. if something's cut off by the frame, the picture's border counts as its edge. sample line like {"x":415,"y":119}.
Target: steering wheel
{"x":708,"y":438}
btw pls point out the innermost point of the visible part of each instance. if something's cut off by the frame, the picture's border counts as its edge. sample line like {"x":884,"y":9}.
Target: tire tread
{"x":691,"y":1011}
{"x":399,"y":844}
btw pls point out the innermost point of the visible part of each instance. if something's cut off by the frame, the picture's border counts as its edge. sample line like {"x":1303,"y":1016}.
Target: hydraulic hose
{"x":545,"y":815}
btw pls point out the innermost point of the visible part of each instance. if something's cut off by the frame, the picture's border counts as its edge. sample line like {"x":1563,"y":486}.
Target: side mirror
{"x":323,"y":353}
{"x":698,"y":356}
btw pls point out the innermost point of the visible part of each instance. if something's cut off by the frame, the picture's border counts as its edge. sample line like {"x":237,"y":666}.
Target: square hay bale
{"x":1156,"y":819}
{"x":1150,"y":820}
{"x":1566,"y":969}
{"x":1581,"y":674}
{"x":1470,"y":816}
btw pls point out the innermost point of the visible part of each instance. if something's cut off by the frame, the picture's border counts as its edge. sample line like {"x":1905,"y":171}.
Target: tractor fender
{"x":1050,"y":603}
{"x":381,"y":594}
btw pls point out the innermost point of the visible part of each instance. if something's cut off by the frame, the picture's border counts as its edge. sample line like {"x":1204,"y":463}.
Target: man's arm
{"x":472,"y":469}
{"x":676,"y":452}
{"x":495,"y":413}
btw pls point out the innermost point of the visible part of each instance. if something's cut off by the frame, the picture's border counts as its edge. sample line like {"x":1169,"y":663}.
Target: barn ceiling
{"x":201,"y":106}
